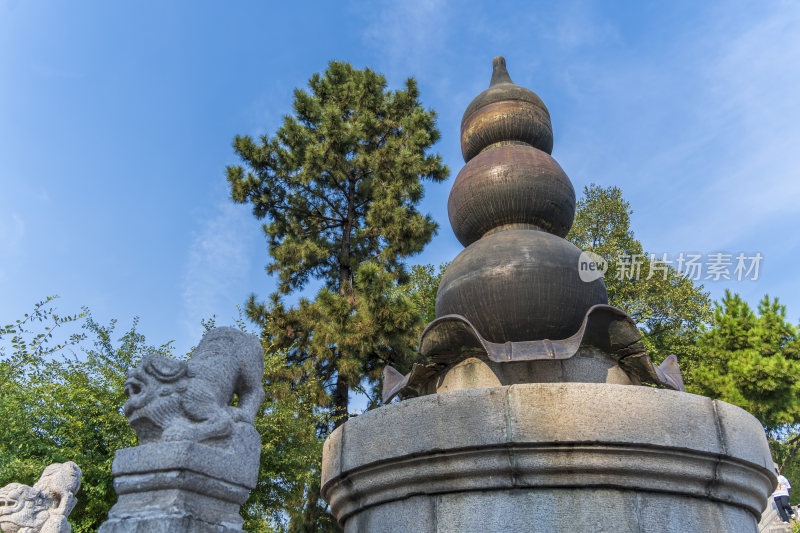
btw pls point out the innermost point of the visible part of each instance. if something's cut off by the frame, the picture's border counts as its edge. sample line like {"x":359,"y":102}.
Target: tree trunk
{"x":340,"y":401}
{"x":794,"y":447}
{"x":341,"y":393}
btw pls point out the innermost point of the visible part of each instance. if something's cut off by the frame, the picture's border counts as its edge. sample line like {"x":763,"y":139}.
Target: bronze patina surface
{"x":506,"y":121}
{"x":504,"y":112}
{"x":519,"y":285}
{"x":515,"y":293}
{"x":510,"y":184}
{"x":452,"y":338}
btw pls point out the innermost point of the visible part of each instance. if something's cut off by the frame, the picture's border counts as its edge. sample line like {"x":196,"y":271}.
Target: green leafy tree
{"x":667,"y":306}
{"x":56,"y":408}
{"x":337,"y":187}
{"x":752,"y":360}
{"x":422,"y":286}
{"x":29,"y":341}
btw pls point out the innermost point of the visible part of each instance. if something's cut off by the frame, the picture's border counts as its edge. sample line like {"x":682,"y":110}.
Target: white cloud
{"x":408,"y":33}
{"x":217,"y":267}
{"x":752,"y":75}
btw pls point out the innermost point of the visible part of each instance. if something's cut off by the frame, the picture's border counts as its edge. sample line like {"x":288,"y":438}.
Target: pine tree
{"x":752,"y":360}
{"x":337,"y":187}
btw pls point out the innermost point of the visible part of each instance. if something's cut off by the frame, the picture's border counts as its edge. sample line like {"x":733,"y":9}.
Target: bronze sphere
{"x":519,"y":285}
{"x":512,"y":185}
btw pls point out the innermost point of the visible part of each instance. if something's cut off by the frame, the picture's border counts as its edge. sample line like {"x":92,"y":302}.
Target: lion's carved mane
{"x":171,"y":400}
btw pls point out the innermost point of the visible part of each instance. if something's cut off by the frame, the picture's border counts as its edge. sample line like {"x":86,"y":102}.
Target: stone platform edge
{"x":186,"y":456}
{"x":538,"y":436}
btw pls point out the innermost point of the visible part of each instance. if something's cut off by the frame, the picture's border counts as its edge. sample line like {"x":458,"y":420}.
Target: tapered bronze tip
{"x":499,"y":72}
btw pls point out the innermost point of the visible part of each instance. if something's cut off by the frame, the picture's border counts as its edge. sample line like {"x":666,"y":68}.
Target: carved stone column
{"x":181,"y":487}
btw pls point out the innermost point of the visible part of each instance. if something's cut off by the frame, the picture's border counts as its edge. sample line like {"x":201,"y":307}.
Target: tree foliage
{"x":667,"y":306}
{"x":57,"y":408}
{"x":422,"y":286}
{"x":337,"y":187}
{"x":752,"y":359}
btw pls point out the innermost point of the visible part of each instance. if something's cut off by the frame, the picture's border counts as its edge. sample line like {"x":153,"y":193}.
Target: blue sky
{"x":116,"y":122}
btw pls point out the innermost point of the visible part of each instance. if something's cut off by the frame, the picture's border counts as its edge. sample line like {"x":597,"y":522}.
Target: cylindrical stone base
{"x":547,"y":457}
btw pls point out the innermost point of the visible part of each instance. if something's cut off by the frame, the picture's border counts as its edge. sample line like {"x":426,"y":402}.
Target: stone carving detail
{"x":171,"y":400}
{"x":44,"y":507}
{"x":199,"y":454}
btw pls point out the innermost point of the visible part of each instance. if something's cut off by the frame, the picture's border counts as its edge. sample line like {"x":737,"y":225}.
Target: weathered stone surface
{"x":588,"y":365}
{"x":614,"y":414}
{"x":182,"y":524}
{"x":44,"y":507}
{"x":549,"y":510}
{"x":199,"y":455}
{"x":332,"y":455}
{"x":417,"y":514}
{"x":239,"y":465}
{"x":545,"y":511}
{"x":740,"y":432}
{"x":538,"y":452}
{"x":170,"y":400}
{"x":424,"y":424}
{"x":183,"y":509}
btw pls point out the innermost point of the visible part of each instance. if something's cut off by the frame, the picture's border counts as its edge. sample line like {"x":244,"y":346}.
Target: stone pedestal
{"x":546,"y":457}
{"x":588,"y":365}
{"x":179,"y":487}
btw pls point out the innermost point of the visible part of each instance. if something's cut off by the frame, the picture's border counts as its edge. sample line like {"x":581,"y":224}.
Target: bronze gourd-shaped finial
{"x":508,"y":113}
{"x":511,"y":206}
{"x":513,"y":301}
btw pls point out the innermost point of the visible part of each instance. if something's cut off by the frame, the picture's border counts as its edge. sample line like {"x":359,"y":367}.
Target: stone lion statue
{"x":44,"y":507}
{"x":171,"y":400}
